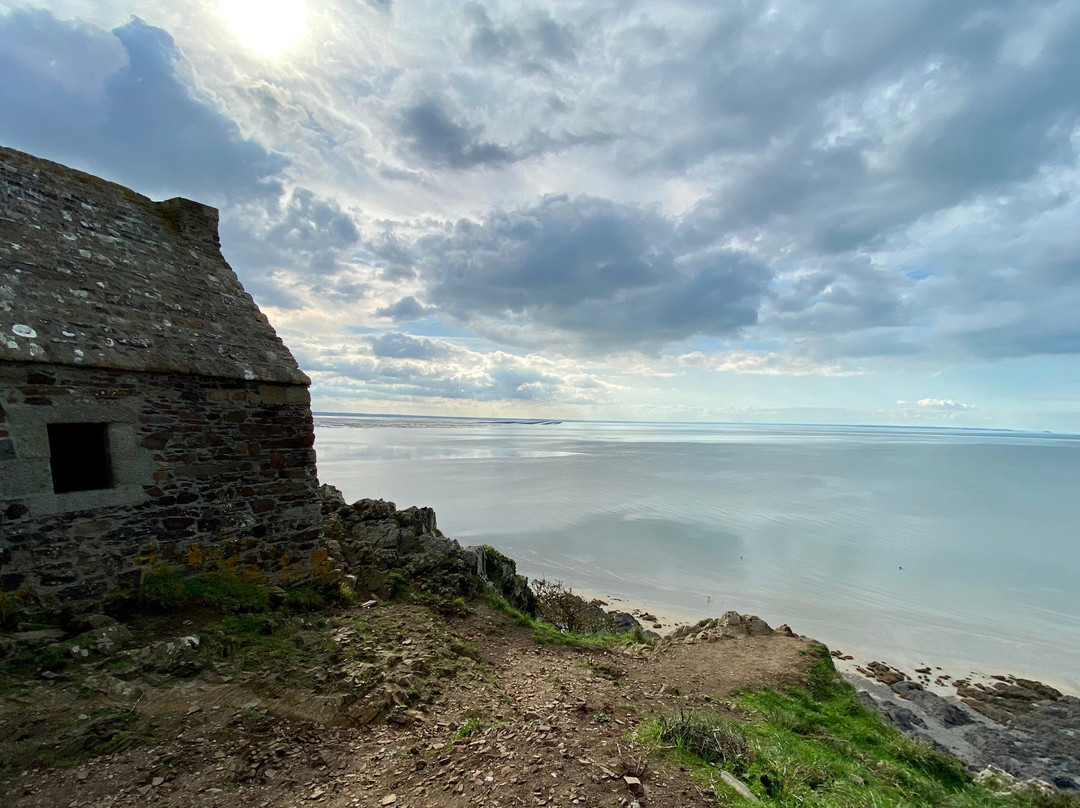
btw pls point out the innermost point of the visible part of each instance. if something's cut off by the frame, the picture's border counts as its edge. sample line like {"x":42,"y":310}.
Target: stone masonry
{"x":149,"y":414}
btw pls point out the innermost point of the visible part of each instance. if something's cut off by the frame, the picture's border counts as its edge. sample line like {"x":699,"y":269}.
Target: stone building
{"x":148,"y":412}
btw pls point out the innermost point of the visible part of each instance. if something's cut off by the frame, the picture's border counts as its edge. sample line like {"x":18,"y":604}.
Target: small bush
{"x":163,"y":589}
{"x":546,"y":634}
{"x":560,"y":607}
{"x":397,"y":584}
{"x":347,"y":594}
{"x":458,"y":607}
{"x":305,"y":599}
{"x":470,"y":726}
{"x":707,"y":737}
{"x":234,"y":593}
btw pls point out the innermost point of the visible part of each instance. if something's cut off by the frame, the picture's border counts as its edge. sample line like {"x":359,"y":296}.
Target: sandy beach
{"x":937,"y":675}
{"x":667,"y":618}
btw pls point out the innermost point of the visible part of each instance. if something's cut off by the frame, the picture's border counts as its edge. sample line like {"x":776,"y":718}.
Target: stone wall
{"x":205,"y":471}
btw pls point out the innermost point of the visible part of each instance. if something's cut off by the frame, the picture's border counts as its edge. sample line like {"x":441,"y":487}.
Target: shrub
{"x":705,"y":737}
{"x":163,"y":589}
{"x":397,"y":584}
{"x":560,"y":607}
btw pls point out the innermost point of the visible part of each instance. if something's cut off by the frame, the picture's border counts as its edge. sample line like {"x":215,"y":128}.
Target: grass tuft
{"x":819,"y":747}
{"x":546,"y":634}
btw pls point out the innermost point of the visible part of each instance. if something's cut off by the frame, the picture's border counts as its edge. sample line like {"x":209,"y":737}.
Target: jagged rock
{"x":170,"y":656}
{"x":728,"y":626}
{"x":501,"y":572}
{"x":938,"y":708}
{"x":375,"y":548}
{"x":109,"y":639}
{"x":89,"y":622}
{"x":368,"y":509}
{"x":430,"y":544}
{"x":39,"y":638}
{"x":886,"y":674}
{"x":902,"y":717}
{"x":905,"y":688}
{"x":624,"y":621}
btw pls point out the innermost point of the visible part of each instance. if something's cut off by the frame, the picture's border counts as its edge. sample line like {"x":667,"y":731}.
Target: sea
{"x":957,"y":548}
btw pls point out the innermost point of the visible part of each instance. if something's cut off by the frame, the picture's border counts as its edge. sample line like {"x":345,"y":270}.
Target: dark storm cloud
{"x":605,"y":274}
{"x":111,"y":103}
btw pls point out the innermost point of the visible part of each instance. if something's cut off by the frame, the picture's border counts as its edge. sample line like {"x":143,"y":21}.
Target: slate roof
{"x":94,"y":274}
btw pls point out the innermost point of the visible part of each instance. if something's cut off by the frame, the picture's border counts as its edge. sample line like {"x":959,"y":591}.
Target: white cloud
{"x":767,"y":363}
{"x":942,"y":404}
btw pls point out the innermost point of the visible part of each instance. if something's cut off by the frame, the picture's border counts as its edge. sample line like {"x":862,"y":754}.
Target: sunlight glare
{"x":268,"y":27}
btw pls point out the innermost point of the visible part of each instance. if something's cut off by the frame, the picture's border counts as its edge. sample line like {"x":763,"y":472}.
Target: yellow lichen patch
{"x":147,"y":557}
{"x":195,"y":555}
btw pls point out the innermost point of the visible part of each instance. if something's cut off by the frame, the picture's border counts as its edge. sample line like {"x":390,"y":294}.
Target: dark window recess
{"x":79,"y":454}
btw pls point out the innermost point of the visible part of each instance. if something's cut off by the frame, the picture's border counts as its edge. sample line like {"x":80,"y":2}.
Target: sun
{"x":268,"y":27}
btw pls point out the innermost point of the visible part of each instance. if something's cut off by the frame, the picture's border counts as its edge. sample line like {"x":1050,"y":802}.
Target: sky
{"x":696,"y":210}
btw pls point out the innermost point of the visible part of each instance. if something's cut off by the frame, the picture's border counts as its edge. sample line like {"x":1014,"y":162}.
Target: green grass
{"x":470,"y":726}
{"x":819,"y":747}
{"x":166,"y":590}
{"x":546,"y":634}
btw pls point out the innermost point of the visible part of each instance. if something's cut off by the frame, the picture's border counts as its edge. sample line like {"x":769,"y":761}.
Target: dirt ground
{"x":505,"y":722}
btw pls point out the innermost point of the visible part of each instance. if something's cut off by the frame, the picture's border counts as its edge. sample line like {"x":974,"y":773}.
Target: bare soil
{"x":475,"y":714}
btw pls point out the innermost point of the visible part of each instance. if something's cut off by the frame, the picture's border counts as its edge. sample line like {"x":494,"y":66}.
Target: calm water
{"x":944,"y":546}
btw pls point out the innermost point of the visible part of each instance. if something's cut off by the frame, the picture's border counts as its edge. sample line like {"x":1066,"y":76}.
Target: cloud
{"x":764,"y":363}
{"x":408,"y":308}
{"x":443,"y":142}
{"x":942,"y":405}
{"x":403,"y":368}
{"x":532,"y":46}
{"x":401,"y":346}
{"x":295,"y":248}
{"x":781,"y":191}
{"x":598,"y":273}
{"x":112,"y":103}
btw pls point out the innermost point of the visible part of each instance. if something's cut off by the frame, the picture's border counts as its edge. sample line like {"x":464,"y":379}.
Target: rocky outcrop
{"x":374,"y":548}
{"x":728,"y":626}
{"x":1024,"y":729}
{"x":501,"y":572}
{"x":379,"y":524}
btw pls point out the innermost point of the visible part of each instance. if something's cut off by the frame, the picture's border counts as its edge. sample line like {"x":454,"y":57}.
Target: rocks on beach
{"x":1018,"y":732}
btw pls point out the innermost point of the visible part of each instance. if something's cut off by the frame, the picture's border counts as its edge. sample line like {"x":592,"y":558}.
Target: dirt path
{"x":478,"y":715}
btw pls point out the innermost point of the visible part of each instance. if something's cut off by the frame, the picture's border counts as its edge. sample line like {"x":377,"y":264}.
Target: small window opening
{"x":79,"y":455}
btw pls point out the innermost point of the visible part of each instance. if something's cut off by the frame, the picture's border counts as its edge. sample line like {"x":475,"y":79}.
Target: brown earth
{"x":459,"y":711}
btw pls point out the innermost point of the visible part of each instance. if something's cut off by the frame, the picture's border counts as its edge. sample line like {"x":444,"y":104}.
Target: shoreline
{"x":850,"y":660}
{"x":667,"y":618}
